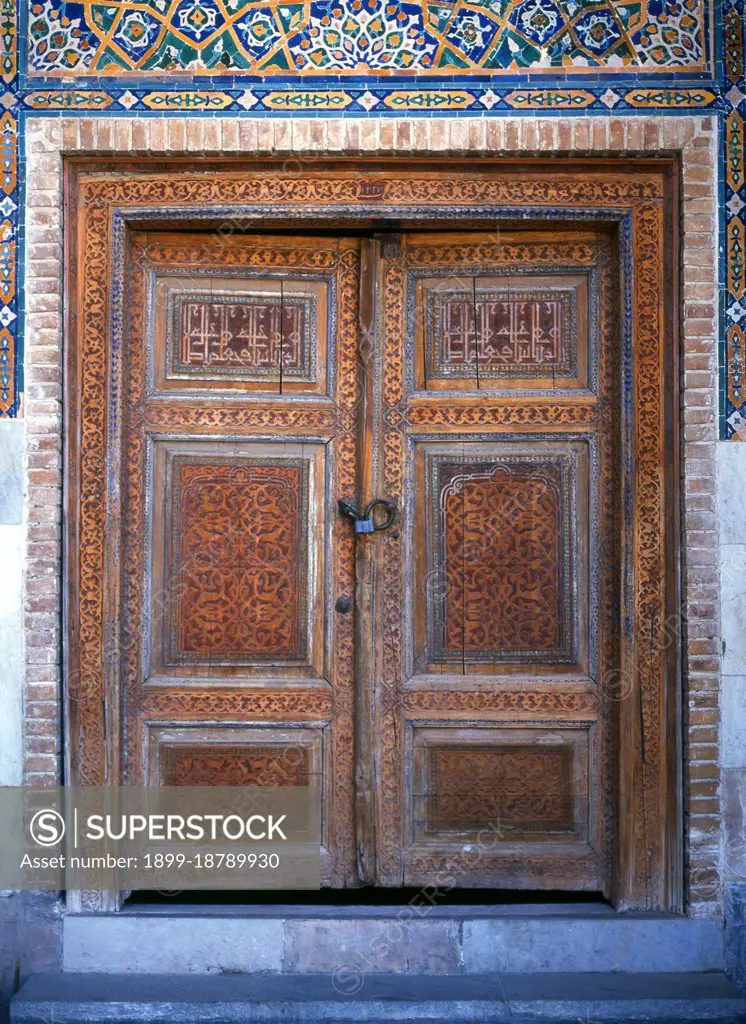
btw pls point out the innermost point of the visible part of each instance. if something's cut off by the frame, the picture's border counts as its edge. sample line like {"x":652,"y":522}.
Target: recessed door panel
{"x":501,"y":577}
{"x":247,"y":755}
{"x":247,"y":331}
{"x":476,"y":329}
{"x":239,"y":569}
{"x":516,"y":784}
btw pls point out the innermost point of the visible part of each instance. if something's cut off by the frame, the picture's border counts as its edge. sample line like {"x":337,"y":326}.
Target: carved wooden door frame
{"x":106,"y":200}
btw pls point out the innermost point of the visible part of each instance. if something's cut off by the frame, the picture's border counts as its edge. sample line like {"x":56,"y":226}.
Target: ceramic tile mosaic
{"x":352,"y":37}
{"x":371,"y":58}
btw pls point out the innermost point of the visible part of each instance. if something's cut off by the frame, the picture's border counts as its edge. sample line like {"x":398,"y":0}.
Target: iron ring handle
{"x":390,"y":507}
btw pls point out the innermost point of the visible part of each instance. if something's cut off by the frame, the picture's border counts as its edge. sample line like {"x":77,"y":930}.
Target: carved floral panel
{"x":525,"y":786}
{"x":224,"y":765}
{"x":238,"y":551}
{"x":502,"y":544}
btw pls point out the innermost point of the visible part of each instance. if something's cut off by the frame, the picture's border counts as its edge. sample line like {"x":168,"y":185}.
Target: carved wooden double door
{"x":441,"y":680}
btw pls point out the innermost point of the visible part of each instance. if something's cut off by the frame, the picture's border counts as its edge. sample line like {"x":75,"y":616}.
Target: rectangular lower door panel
{"x":295,"y":754}
{"x":499,"y":802}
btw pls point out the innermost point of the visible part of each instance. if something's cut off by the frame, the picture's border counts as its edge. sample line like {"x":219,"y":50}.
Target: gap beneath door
{"x":364,"y":898}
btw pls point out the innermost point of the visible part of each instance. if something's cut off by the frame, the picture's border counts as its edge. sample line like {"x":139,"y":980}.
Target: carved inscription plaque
{"x":258,"y":335}
{"x":502,"y":332}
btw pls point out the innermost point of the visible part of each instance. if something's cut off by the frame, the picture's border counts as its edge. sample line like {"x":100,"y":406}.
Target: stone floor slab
{"x":373,"y":999}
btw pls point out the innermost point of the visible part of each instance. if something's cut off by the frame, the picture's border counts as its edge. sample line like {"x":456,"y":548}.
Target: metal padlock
{"x":363,"y":521}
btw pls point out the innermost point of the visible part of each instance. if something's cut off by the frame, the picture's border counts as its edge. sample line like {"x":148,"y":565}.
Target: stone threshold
{"x":405,"y":942}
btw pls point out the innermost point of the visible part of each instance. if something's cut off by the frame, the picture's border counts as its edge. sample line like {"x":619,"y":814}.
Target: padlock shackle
{"x":364,"y":522}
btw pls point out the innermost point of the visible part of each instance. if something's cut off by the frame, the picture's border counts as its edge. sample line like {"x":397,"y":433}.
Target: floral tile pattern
{"x":354,"y":37}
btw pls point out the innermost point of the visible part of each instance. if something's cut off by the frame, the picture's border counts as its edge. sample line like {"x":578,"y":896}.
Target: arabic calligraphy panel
{"x":500,"y":331}
{"x":268,"y":334}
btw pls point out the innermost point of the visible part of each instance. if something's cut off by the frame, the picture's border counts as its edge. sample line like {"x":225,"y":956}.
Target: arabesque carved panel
{"x":471,"y":787}
{"x":224,"y":765}
{"x":238,"y":548}
{"x":502,"y":539}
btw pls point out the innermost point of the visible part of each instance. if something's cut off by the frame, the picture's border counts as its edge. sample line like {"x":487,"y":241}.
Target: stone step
{"x":442,"y":941}
{"x":350,"y":998}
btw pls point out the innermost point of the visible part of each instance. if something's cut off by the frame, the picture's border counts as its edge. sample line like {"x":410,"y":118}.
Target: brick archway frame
{"x":692,"y":139}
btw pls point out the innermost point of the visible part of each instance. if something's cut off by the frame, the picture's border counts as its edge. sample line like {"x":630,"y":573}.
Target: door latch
{"x":364,"y":521}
